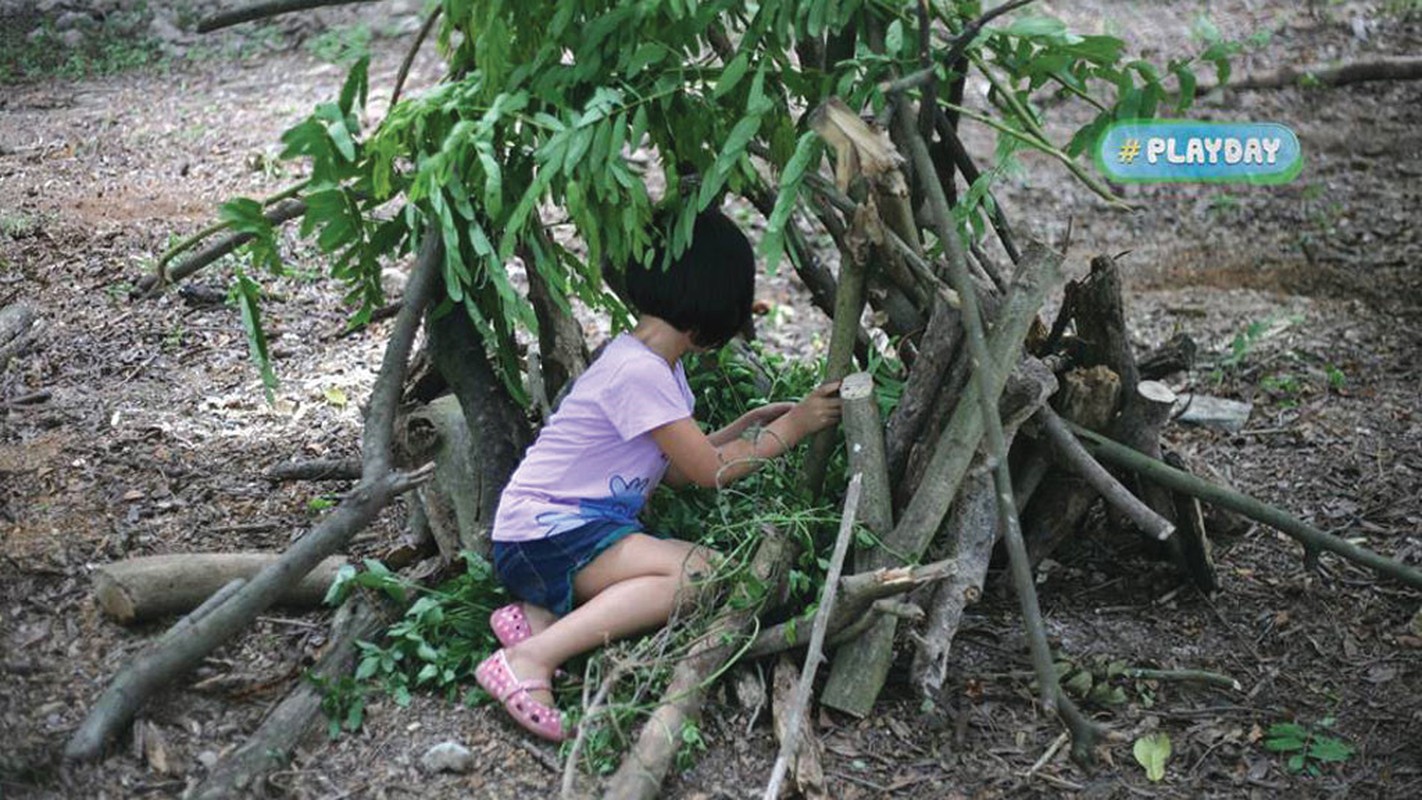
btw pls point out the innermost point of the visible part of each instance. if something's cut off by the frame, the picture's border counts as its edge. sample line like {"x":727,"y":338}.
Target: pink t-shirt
{"x":596,"y":460}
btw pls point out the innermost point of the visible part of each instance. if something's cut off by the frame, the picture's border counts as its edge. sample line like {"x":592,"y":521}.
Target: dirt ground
{"x":155,"y":434}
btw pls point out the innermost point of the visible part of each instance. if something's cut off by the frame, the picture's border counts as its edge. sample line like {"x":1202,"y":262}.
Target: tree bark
{"x":141,"y":589}
{"x":265,"y":10}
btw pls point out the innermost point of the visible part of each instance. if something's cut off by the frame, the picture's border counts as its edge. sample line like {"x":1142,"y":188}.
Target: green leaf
{"x":356,"y":86}
{"x":1328,"y":748}
{"x":1152,"y":752}
{"x":1036,"y":26}
{"x":248,"y":299}
{"x":732,"y":74}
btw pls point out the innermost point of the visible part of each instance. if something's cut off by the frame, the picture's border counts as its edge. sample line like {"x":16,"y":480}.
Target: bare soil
{"x":156,"y":432}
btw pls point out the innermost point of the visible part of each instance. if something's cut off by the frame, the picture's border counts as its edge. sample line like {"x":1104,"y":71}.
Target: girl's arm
{"x":762,"y":416}
{"x":707,"y":461}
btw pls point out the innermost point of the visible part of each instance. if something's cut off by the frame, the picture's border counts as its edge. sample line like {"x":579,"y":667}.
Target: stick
{"x":1185,"y":675}
{"x":411,"y":53}
{"x":320,"y":469}
{"x":1407,"y":68}
{"x":150,"y":284}
{"x":956,"y":48}
{"x":1084,"y":732}
{"x":1256,"y":510}
{"x":265,"y":10}
{"x":1070,"y":452}
{"x":161,"y":665}
{"x":817,"y":637}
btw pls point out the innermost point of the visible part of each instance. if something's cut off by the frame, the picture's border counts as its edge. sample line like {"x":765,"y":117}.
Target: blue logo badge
{"x":1143,"y":150}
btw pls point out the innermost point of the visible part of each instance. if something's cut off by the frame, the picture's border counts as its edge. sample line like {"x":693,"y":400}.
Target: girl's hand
{"x":819,"y":410}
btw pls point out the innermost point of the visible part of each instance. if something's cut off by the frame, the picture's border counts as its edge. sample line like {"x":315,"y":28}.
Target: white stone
{"x":447,"y":757}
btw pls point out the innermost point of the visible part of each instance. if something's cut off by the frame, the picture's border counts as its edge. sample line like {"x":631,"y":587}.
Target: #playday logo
{"x":1135,"y":151}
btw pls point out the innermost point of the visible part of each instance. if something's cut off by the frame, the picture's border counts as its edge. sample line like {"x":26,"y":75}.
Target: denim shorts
{"x":540,"y":571}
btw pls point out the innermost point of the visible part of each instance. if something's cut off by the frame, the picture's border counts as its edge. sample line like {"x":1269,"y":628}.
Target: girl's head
{"x":706,"y":291}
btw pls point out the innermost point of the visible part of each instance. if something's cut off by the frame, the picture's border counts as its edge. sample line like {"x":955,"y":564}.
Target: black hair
{"x":706,"y":291}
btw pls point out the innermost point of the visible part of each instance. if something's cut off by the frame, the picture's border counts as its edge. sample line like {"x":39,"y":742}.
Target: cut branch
{"x":1215,"y":494}
{"x":1408,"y":68}
{"x":145,"y":588}
{"x":1070,"y":453}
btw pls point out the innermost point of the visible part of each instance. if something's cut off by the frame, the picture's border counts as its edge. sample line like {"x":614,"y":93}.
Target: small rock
{"x":447,"y":757}
{"x":72,"y":38}
{"x":207,"y":759}
{"x":36,"y":34}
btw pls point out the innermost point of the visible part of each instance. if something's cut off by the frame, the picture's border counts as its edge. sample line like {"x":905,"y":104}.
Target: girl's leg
{"x":539,"y":618}
{"x":631,"y":587}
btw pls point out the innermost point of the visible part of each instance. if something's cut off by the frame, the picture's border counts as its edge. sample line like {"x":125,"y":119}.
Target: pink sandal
{"x":510,"y":624}
{"x":498,"y":679}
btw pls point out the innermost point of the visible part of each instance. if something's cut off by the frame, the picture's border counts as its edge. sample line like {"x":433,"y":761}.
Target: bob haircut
{"x":706,"y":291}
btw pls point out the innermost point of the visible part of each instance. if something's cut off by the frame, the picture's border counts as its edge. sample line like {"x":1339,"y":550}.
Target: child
{"x":566,"y":533}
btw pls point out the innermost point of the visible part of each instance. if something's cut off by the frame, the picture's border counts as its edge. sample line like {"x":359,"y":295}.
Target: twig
{"x":1047,"y":756}
{"x":817,"y":638}
{"x":410,"y":55}
{"x":217,"y":227}
{"x":1256,"y":510}
{"x":956,"y":48}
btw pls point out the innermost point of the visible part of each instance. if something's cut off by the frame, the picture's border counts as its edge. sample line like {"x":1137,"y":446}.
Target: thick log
{"x":141,"y":589}
{"x":807,"y":767}
{"x":936,"y":352}
{"x":1101,"y":322}
{"x":458,"y":511}
{"x":271,"y":746}
{"x":1090,"y":396}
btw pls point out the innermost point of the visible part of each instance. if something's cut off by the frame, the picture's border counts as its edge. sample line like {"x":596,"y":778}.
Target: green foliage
{"x":551,"y":98}
{"x":1308,"y":749}
{"x":436,"y":645}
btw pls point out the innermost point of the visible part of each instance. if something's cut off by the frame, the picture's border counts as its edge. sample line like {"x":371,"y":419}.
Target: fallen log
{"x":270,"y":747}
{"x":320,"y":469}
{"x":1407,"y":68}
{"x":141,"y":589}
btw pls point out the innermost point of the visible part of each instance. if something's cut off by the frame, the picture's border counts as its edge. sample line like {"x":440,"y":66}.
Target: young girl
{"x":567,"y":542}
